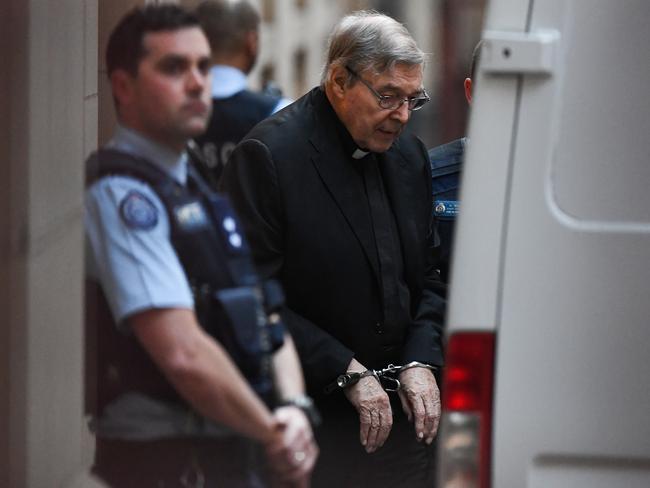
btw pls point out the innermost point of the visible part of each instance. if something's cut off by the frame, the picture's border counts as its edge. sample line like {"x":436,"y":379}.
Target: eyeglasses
{"x":393,"y":102}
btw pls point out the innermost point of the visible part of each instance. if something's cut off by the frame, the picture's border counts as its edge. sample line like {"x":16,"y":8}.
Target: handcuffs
{"x":388,"y":383}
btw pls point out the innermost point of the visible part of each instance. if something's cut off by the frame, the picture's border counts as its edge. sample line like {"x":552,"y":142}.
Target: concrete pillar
{"x":49,"y":122}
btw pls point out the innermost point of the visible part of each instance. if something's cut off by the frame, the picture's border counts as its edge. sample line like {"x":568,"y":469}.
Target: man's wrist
{"x":417,"y":364}
{"x":304,"y":403}
{"x":348,"y":379}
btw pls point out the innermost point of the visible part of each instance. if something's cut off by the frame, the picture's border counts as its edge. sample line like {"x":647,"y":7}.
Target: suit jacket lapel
{"x":345,"y":185}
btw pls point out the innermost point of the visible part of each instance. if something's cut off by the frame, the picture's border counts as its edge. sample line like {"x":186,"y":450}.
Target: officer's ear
{"x":252,"y":42}
{"x":251,"y":48}
{"x":467,"y":85}
{"x":122,"y":86}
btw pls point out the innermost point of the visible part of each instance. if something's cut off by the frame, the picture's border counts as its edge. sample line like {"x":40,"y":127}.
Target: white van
{"x":547,"y":382}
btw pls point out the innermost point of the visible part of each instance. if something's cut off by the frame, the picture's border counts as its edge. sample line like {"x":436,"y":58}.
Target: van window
{"x":595,"y":175}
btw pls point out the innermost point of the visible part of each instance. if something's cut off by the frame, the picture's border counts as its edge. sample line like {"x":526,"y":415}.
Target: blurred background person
{"x":446,"y":170}
{"x":232,"y":28}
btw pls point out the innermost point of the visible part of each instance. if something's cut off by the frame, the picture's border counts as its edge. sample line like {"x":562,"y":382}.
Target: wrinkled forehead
{"x":404,"y":77}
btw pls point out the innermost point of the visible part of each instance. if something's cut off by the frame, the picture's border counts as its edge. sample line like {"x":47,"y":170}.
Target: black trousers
{"x":343,"y":463}
{"x":178,"y":463}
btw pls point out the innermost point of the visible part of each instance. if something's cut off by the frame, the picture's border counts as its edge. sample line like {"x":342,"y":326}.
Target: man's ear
{"x":467,"y":84}
{"x":122,"y":86}
{"x":252,"y":43}
{"x":251,"y":50}
{"x":338,"y":79}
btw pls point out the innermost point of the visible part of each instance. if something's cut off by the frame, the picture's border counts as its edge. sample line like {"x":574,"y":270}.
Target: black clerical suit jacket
{"x":303,"y":205}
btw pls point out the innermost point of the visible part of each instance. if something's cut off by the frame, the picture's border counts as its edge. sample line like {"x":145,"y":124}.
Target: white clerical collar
{"x":359,"y":154}
{"x":130,"y":141}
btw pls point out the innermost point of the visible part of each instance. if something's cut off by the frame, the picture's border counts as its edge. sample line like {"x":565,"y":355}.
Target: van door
{"x":553,"y":242}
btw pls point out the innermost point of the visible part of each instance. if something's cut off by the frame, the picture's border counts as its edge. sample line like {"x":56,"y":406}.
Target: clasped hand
{"x":292,"y":452}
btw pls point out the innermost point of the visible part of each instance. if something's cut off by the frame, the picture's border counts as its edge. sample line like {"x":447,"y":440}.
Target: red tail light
{"x":465,"y":439}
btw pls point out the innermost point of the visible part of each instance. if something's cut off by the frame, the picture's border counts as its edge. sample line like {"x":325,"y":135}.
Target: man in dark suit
{"x":336,"y":202}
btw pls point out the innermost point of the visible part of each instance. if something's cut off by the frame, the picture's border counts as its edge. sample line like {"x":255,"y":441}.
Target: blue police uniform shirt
{"x":129,"y":251}
{"x":227,"y":81}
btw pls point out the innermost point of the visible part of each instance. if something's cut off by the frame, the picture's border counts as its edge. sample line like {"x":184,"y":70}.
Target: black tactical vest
{"x":446,"y":168}
{"x":232,"y":118}
{"x":230,"y":302}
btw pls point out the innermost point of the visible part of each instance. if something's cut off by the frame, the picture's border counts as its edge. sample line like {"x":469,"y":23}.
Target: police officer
{"x":232,"y":28}
{"x":184,"y":370}
{"x":446,"y":167}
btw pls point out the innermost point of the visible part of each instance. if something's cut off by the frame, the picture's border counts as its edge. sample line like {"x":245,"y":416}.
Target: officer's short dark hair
{"x":125,"y":45}
{"x":226,"y":23}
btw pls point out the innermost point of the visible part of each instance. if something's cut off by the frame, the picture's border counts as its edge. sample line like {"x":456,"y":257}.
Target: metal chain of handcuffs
{"x":386,"y":377}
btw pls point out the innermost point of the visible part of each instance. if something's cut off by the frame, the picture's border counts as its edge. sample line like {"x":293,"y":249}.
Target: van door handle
{"x":529,"y":53}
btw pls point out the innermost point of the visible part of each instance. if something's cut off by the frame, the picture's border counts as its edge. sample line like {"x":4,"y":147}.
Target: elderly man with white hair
{"x":335,"y":197}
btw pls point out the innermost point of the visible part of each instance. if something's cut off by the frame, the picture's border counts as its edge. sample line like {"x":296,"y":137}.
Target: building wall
{"x":49,"y":123}
{"x":11,"y":274}
{"x":292,"y":28}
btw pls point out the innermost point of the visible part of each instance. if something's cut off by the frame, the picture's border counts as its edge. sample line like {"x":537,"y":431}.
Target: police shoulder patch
{"x":138,"y":212}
